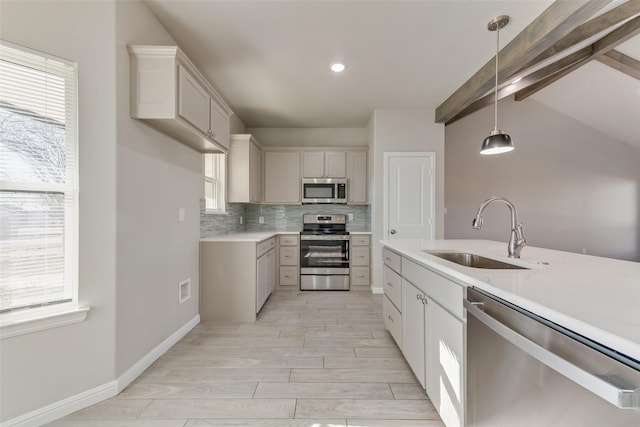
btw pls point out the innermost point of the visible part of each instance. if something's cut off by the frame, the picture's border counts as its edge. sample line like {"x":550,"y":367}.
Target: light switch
{"x":181,"y":214}
{"x":261,"y":219}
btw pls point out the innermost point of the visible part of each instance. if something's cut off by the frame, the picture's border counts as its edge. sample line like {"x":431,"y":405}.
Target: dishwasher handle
{"x":621,"y":398}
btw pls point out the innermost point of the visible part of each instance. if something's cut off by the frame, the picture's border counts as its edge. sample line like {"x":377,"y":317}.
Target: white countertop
{"x":256,"y":236}
{"x":247,"y":236}
{"x":596,"y":297}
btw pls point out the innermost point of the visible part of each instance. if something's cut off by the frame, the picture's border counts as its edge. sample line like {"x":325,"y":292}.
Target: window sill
{"x":211,"y":212}
{"x":14,"y":324}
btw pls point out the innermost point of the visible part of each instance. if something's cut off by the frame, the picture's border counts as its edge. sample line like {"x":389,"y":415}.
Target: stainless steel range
{"x":324,"y":253}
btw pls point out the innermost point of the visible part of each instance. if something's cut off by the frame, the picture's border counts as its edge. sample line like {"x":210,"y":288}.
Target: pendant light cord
{"x":496,"y":90}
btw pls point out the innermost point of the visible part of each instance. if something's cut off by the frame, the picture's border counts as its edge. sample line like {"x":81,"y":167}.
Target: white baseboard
{"x":138,"y":368}
{"x":92,"y":396}
{"x":375,"y":290}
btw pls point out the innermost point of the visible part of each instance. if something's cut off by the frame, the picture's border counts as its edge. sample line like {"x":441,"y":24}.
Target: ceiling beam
{"x":600,"y":23}
{"x":622,"y":63}
{"x":600,"y":48}
{"x":551,"y":26}
{"x":531,"y":79}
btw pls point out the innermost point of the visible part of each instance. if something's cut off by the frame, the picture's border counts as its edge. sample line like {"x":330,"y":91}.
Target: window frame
{"x":219,"y":179}
{"x":40,"y":316}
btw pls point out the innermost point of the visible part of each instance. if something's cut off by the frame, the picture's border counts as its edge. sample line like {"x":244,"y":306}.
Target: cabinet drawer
{"x":360,"y":240}
{"x":392,"y":259}
{"x":445,"y":292}
{"x":360,"y":276}
{"x":288,"y":255}
{"x":392,"y":285}
{"x":286,"y":240}
{"x":392,"y":320}
{"x":360,"y":255}
{"x":265,"y":246}
{"x":288,"y":276}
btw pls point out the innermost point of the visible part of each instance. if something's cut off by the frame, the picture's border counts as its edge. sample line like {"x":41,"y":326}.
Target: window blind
{"x":38,"y":179}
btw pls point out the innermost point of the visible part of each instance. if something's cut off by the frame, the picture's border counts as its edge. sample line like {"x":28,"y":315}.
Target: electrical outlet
{"x":584,"y":250}
{"x":181,"y":214}
{"x":241,"y":220}
{"x":350,"y":217}
{"x":261,"y":219}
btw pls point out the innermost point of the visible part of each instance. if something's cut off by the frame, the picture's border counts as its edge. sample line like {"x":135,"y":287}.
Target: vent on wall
{"x":184,"y":291}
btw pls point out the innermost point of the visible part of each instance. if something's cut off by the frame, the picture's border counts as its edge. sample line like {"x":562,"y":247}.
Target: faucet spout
{"x":516,"y":240}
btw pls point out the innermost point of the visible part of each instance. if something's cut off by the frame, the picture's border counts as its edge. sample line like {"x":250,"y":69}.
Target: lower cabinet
{"x":266,"y":273}
{"x":236,"y":278}
{"x":413,"y":330}
{"x":432,"y":330}
{"x":445,"y":363}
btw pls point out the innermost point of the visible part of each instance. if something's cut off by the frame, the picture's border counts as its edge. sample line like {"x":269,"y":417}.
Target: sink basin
{"x":475,"y":261}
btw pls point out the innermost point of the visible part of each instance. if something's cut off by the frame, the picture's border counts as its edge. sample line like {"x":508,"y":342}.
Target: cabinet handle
{"x":390,"y":284}
{"x":418,"y":297}
{"x":390,"y":318}
{"x":387,"y":259}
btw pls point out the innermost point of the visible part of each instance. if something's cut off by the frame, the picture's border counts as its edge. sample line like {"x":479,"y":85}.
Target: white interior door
{"x":409,"y":195}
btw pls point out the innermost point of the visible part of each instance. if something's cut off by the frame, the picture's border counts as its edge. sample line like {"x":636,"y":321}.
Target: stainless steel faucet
{"x":517,"y":240}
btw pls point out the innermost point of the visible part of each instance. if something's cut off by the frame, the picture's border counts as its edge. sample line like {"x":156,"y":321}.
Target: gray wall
{"x":133,"y":179}
{"x":156,"y":176}
{"x":44,"y":367}
{"x":574,"y":187}
{"x":400,"y":131}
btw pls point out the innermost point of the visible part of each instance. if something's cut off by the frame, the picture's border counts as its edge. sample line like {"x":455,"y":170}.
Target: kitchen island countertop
{"x":596,"y":297}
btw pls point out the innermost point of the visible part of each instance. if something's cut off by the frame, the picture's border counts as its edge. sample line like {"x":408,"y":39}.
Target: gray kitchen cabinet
{"x":169,"y":92}
{"x":360,"y":259}
{"x":433,"y":330}
{"x":289,"y":264}
{"x":282,"y":177}
{"x":324,"y":164}
{"x":357,"y":177}
{"x":236,"y":278}
{"x":244,"y":169}
{"x":414,"y":330}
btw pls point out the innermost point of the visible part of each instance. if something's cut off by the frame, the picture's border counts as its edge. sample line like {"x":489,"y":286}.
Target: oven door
{"x":324,"y":262}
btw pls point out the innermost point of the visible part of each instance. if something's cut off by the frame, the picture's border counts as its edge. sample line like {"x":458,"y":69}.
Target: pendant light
{"x":497,"y":142}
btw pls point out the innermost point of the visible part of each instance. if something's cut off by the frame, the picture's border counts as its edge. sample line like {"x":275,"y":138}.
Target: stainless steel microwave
{"x":324,"y":190}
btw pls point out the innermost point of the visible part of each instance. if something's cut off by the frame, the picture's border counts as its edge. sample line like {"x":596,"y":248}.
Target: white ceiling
{"x":270,"y":59}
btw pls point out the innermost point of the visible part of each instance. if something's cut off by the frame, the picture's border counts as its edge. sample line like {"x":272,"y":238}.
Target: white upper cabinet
{"x":324,"y":164}
{"x":244,"y":170}
{"x":282,"y":177}
{"x":357,"y":177}
{"x":171,"y":94}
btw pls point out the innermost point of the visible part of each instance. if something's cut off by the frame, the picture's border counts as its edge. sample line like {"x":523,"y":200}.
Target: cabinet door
{"x":313,"y":164}
{"x":254,"y":173}
{"x":335,"y":164}
{"x":359,"y":255}
{"x":357,"y":176}
{"x":262,"y":283}
{"x":282,"y":177}
{"x":219,"y":124}
{"x":413,"y":331}
{"x":445,"y":369}
{"x":271,"y":271}
{"x":193,"y":101}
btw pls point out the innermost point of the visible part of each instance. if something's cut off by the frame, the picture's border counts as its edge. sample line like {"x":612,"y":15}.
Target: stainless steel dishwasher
{"x":525,"y":371}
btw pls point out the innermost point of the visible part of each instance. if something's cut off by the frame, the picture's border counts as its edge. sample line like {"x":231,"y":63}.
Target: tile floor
{"x":312,"y":359}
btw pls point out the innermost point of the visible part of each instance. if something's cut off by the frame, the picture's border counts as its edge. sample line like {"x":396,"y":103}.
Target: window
{"x":38,"y":183}
{"x":214,"y":182}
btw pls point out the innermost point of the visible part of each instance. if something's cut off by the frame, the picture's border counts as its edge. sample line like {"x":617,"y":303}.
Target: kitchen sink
{"x":475,"y":261}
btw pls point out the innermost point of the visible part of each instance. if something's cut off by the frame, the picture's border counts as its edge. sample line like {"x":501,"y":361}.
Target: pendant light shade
{"x":497,"y":142}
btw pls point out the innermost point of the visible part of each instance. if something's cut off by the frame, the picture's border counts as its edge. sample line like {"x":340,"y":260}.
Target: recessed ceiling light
{"x":338,"y":67}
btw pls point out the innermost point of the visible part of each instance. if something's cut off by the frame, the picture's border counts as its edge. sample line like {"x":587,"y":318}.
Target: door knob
{"x":392,"y":231}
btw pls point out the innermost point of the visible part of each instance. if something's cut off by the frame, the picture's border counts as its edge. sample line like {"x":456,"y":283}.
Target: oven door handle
{"x":621,"y":398}
{"x":347,"y":250}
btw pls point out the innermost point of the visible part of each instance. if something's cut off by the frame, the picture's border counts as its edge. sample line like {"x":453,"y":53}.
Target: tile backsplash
{"x":277,"y":217}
